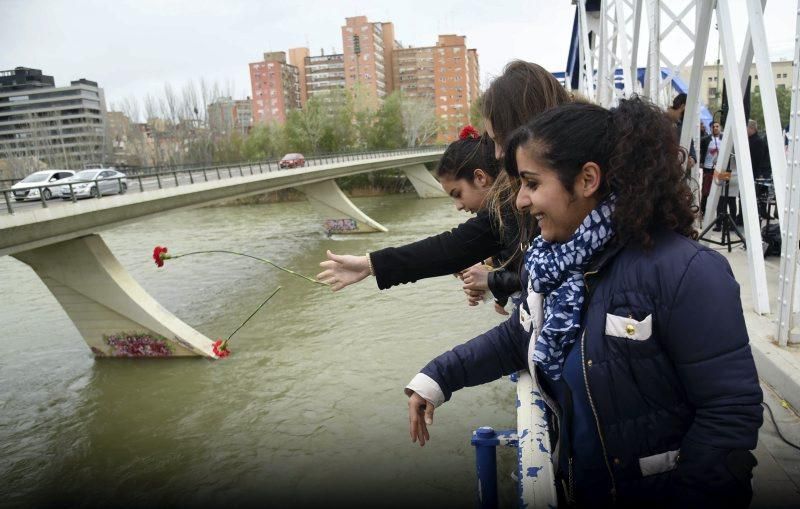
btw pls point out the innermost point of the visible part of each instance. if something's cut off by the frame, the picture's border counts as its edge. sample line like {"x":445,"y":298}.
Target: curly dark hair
{"x":636,"y":148}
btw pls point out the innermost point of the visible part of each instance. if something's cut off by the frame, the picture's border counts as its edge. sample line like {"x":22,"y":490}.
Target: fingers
{"x":334,"y":257}
{"x":500,"y":309}
{"x":419,"y":411}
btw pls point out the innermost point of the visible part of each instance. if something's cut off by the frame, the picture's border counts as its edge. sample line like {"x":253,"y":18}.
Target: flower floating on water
{"x":159,"y":255}
{"x":220,"y":348}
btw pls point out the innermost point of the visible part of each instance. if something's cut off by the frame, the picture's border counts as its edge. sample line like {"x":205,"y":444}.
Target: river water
{"x":307,"y":411}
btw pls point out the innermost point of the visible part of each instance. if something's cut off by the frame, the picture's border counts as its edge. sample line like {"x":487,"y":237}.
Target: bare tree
{"x":419,"y":120}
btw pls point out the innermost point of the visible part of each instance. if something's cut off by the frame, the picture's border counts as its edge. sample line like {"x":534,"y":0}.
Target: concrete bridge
{"x":60,"y":241}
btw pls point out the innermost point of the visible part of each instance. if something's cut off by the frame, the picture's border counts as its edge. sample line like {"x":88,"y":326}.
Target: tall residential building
{"x":451,"y":75}
{"x":297,"y":58}
{"x":413,"y":73}
{"x":447,"y":75}
{"x":276,"y":88}
{"x":226,"y":115}
{"x":244,"y":114}
{"x":473,"y":75}
{"x":368,"y":57}
{"x":62,"y":126}
{"x":324,"y":74}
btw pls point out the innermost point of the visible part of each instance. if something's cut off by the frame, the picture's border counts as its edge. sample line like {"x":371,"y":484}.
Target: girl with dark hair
{"x":523,"y":91}
{"x":466,"y":171}
{"x":633,"y":331}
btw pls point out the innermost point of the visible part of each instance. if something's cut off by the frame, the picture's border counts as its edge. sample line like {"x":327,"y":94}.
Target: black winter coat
{"x":677,"y":409}
{"x":469,"y":243}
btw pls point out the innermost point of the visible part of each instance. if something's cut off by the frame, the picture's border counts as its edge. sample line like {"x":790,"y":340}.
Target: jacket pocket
{"x":629,"y":328}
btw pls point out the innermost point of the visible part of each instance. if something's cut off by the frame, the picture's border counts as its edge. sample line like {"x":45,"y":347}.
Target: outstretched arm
{"x":343,"y":270}
{"x":500,"y":351}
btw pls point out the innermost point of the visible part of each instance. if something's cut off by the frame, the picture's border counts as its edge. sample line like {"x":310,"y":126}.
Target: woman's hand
{"x":420,"y":416}
{"x":343,"y":270}
{"x":476,"y":277}
{"x":474,"y":297}
{"x":500,"y":309}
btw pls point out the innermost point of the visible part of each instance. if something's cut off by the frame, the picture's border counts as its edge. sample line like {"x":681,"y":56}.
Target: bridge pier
{"x":423,"y":182}
{"x":340,"y":215}
{"x":114,"y":314}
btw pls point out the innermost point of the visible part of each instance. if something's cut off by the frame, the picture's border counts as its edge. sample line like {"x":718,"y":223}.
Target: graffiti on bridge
{"x":340,"y":225}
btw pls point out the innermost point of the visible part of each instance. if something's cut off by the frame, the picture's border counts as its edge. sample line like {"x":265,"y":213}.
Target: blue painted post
{"x":485,"y":442}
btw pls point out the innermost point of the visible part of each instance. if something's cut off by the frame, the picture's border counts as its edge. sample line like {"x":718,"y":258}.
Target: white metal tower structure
{"x":617,"y":28}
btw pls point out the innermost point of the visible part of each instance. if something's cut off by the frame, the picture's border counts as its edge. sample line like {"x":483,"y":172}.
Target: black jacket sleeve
{"x":447,"y":253}
{"x":503,"y":283}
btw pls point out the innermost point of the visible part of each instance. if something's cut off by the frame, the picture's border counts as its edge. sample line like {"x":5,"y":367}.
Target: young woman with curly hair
{"x":633,"y":331}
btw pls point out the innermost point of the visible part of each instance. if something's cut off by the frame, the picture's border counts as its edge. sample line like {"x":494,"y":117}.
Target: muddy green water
{"x":309,"y":409}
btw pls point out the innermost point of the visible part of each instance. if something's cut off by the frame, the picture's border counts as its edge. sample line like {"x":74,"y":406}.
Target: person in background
{"x":633,"y":330}
{"x":759,"y":153}
{"x":675,"y":113}
{"x":709,"y":151}
{"x":523,"y":91}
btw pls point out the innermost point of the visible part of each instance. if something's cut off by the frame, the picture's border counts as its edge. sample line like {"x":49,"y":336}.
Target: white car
{"x":28,"y":188}
{"x":94,"y":183}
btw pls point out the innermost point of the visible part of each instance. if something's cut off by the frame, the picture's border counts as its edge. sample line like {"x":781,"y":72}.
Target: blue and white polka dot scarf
{"x":556,"y":271}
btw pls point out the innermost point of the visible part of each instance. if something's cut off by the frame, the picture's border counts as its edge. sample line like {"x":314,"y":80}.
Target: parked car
{"x":28,"y":188}
{"x":292,"y":161}
{"x":94,"y":183}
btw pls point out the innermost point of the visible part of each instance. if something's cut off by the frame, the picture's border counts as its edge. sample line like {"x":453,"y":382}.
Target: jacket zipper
{"x":594,"y":410}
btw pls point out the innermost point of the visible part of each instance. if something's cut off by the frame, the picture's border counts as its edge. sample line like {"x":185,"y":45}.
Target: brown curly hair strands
{"x":637,"y":150}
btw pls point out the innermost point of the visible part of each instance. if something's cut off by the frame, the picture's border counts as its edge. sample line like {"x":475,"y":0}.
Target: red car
{"x":292,"y":161}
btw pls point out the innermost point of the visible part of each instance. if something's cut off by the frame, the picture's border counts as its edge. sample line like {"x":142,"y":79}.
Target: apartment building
{"x":324,"y":74}
{"x":446,"y":75}
{"x":713,"y":75}
{"x":297,"y":58}
{"x":226,"y":115}
{"x":413,"y":73}
{"x":64,"y":127}
{"x":368,"y":58}
{"x":276,"y":88}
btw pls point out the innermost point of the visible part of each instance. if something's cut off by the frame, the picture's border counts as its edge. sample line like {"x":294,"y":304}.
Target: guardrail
{"x":202,"y":173}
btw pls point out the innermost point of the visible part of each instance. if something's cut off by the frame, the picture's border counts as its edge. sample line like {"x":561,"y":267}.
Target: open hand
{"x":420,"y":416}
{"x":343,"y":270}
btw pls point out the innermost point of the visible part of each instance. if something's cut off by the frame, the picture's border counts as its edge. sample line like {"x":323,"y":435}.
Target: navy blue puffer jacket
{"x":667,"y":362}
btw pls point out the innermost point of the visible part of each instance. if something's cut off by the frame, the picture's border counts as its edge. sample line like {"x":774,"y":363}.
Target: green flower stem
{"x":251,"y":316}
{"x":312,"y":280}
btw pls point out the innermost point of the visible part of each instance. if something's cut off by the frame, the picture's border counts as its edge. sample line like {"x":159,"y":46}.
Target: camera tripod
{"x":726,"y":223}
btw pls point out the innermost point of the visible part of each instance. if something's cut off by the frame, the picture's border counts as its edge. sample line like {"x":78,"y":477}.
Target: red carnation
{"x":159,"y":255}
{"x":469,"y":132}
{"x":220,"y":348}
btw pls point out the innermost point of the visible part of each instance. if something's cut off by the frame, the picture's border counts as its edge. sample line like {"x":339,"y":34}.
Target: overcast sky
{"x":132,"y":47}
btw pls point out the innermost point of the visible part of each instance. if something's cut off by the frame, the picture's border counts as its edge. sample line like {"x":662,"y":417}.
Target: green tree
{"x":266,"y":141}
{"x":387,"y":131}
{"x":784,"y":96}
{"x":475,"y":115}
